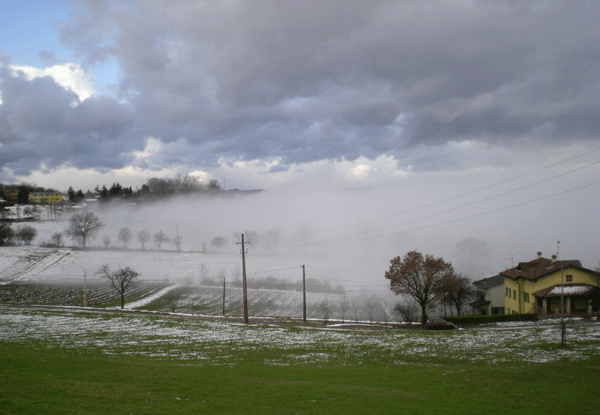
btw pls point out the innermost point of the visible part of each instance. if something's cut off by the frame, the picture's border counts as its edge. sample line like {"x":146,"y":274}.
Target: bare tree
{"x":6,"y":233}
{"x":204,"y":273}
{"x":355,"y":308}
{"x":408,"y":309}
{"x":418,"y":277}
{"x":125,"y":235}
{"x":84,"y":226}
{"x":344,"y":307}
{"x":121,"y":280}
{"x":324,"y":306}
{"x":106,"y":241}
{"x":56,"y":238}
{"x":25,"y":234}
{"x":218,"y":242}
{"x":369,"y":307}
{"x":143,"y":237}
{"x":177,"y":242}
{"x":456,"y":290}
{"x":160,"y":238}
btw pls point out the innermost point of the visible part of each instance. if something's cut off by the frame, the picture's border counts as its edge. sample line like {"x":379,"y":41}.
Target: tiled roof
{"x":489,"y":282}
{"x":539,"y":268}
{"x":568,"y":289}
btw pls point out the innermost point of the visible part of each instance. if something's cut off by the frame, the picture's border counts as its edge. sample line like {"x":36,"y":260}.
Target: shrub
{"x":496,"y":318}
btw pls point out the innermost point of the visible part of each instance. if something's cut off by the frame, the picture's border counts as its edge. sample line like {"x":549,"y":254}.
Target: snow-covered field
{"x":66,"y":267}
{"x":219,"y":342}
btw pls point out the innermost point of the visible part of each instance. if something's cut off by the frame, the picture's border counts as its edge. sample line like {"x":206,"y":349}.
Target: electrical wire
{"x":342,"y":238}
{"x":320,"y":243}
{"x":460,"y":195}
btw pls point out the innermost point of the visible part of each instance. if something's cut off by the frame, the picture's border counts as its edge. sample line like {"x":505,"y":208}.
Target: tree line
{"x":154,"y":189}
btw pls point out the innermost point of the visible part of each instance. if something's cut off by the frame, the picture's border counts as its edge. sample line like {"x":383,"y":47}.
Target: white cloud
{"x":70,"y":76}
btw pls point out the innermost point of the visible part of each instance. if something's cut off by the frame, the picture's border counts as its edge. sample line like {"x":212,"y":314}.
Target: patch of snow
{"x":147,"y":300}
{"x":570,"y":290}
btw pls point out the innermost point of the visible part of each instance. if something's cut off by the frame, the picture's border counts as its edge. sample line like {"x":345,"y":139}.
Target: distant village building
{"x":36,"y":198}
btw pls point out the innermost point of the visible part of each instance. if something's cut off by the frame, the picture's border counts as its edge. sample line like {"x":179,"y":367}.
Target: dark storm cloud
{"x":312,"y":80}
{"x":42,"y":123}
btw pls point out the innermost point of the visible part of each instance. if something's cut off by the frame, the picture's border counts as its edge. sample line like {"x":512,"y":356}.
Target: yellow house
{"x":45,"y":197}
{"x":538,"y":286}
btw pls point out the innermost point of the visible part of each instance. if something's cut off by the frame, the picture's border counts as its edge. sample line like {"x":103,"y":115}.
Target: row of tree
{"x":154,"y":189}
{"x":22,"y":235}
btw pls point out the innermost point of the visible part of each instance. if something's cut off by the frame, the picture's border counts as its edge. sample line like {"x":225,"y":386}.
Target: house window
{"x":507,"y":310}
{"x":508,"y":292}
{"x":569,"y":278}
{"x":515,"y":294}
{"x":526,"y":297}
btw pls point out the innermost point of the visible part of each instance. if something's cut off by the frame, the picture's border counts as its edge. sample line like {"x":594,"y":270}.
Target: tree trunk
{"x":424,"y":313}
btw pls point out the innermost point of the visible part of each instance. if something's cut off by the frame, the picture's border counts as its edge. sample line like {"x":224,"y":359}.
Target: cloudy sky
{"x":437,"y":98}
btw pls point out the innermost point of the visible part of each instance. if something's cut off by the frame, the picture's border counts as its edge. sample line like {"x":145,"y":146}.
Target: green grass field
{"x":66,"y":372}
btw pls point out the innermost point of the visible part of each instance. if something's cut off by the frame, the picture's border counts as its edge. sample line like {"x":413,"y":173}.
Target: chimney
{"x":539,"y":255}
{"x":553,"y":258}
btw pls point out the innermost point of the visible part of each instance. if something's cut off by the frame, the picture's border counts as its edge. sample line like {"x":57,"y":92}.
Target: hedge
{"x":496,"y":318}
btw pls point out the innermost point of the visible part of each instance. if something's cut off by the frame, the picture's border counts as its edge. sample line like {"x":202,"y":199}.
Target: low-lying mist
{"x":350,"y":235}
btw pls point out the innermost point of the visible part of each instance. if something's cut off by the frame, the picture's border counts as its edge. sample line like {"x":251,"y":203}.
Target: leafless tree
{"x":160,"y":238}
{"x":106,"y":241}
{"x":456,"y":290}
{"x":344,"y":307}
{"x":204,"y":273}
{"x":177,"y":242}
{"x":418,"y":277}
{"x":324,"y":306}
{"x":6,"y":232}
{"x":56,"y":238}
{"x":218,"y":242}
{"x":143,"y":237}
{"x":25,"y":234}
{"x":125,"y":235}
{"x":84,"y":226}
{"x":355,"y":305}
{"x":122,"y":279}
{"x":408,"y":309}
{"x":369,"y":307}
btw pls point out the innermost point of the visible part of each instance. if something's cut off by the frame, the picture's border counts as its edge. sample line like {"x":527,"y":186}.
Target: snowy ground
{"x":68,"y":266}
{"x":224,"y":343}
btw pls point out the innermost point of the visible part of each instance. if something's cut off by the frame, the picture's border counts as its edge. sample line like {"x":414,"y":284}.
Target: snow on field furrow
{"x":157,"y":336}
{"x":31,"y":263}
{"x":150,"y":298}
{"x":260,"y":302}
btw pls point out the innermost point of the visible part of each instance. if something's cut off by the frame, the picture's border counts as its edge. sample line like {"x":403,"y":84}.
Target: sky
{"x":437,"y":103}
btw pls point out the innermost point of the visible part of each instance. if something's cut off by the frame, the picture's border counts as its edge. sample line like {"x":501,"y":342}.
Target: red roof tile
{"x":539,"y":268}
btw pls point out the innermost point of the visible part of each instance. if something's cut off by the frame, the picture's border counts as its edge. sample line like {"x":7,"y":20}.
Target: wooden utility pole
{"x":244,"y":286}
{"x":304,"y":294}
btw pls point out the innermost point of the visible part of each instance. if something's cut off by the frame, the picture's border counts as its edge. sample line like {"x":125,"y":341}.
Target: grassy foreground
{"x":40,"y":380}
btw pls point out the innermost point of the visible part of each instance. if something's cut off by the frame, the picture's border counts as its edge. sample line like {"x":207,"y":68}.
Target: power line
{"x":320,"y":243}
{"x":341,"y":238}
{"x":458,"y":196}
